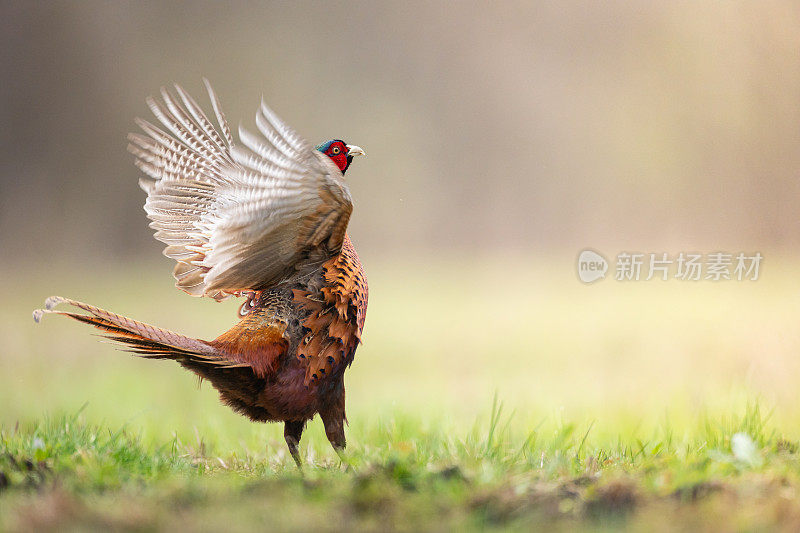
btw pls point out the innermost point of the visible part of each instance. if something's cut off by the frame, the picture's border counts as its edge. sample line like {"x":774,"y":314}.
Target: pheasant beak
{"x":353,"y":150}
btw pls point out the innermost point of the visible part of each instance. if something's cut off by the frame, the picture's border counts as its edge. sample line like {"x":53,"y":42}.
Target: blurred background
{"x":502,"y":139}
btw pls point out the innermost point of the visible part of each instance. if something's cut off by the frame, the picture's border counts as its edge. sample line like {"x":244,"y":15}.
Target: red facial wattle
{"x":340,"y":152}
{"x":340,"y":159}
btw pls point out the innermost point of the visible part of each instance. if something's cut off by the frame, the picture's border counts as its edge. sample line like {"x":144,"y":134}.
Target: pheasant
{"x":263,"y":219}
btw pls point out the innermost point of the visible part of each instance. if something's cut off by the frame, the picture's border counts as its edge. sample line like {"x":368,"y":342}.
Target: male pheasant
{"x":266,"y":220}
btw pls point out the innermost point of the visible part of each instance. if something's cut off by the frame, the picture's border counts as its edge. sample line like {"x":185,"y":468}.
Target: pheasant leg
{"x":292,"y":431}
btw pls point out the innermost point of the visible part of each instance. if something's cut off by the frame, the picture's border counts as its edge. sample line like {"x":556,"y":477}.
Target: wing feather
{"x":266,"y":151}
{"x":236,"y":218}
{"x":202,"y":120}
{"x":221,"y":120}
{"x":273,"y":134}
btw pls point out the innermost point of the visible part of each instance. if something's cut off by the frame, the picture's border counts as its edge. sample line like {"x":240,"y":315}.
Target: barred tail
{"x":140,"y":338}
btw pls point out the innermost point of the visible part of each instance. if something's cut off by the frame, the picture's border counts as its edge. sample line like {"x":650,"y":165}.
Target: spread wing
{"x":236,"y":217}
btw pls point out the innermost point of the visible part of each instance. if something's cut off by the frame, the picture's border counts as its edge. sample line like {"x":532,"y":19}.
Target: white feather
{"x":236,"y":218}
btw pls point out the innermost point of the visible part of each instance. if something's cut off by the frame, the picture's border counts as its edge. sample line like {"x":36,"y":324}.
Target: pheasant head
{"x":340,"y":152}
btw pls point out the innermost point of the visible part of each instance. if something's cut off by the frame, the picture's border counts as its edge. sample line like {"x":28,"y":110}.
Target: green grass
{"x":509,"y":405}
{"x":63,"y":472}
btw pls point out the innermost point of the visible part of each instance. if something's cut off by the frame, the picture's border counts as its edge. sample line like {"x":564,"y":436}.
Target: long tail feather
{"x":140,"y":338}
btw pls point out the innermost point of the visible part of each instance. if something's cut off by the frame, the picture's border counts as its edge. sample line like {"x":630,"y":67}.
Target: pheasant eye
{"x":335,"y":150}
